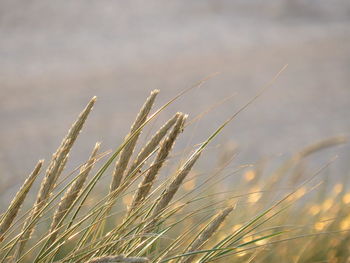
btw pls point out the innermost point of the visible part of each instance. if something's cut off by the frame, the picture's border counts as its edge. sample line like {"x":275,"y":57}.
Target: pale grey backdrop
{"x":55,"y":55}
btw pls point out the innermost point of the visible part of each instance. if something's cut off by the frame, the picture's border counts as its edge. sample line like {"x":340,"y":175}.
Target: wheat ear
{"x":206,"y":233}
{"x":17,"y":201}
{"x":321,"y":145}
{"x":121,"y":259}
{"x":56,"y":164}
{"x":126,"y":153}
{"x":52,"y":173}
{"x":152,"y":143}
{"x":164,"y":199}
{"x":170,"y":191}
{"x":72,"y":192}
{"x":61,"y":167}
{"x":162,"y":155}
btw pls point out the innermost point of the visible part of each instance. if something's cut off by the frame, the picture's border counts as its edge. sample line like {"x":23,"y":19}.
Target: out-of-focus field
{"x":55,"y":55}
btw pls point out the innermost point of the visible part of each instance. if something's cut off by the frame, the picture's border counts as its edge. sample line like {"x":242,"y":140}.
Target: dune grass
{"x":287,"y":215}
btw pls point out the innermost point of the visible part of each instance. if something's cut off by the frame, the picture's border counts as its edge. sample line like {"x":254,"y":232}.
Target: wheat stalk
{"x":72,"y":192}
{"x":17,"y":201}
{"x":330,"y":142}
{"x":163,"y":153}
{"x":164,"y":199}
{"x":126,"y":153}
{"x":52,"y":173}
{"x":62,"y":166}
{"x":152,"y":143}
{"x":58,"y":159}
{"x":170,"y":191}
{"x":206,"y":233}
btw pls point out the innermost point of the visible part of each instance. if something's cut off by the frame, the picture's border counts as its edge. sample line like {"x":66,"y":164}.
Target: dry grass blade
{"x":17,"y":201}
{"x":153,"y":143}
{"x":73,"y":191}
{"x":53,"y":172}
{"x":126,"y":153}
{"x":209,"y":230}
{"x":162,"y":155}
{"x":115,"y":259}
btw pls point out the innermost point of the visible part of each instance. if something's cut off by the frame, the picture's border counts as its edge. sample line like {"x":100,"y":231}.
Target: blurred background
{"x":56,"y":55}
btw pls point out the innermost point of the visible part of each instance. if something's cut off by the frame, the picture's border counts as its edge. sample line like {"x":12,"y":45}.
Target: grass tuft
{"x":247,"y":213}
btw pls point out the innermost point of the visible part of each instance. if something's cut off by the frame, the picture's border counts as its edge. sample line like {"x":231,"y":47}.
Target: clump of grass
{"x":251,"y":216}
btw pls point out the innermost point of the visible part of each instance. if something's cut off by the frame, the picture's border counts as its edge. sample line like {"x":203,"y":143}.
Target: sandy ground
{"x":56,"y":55}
